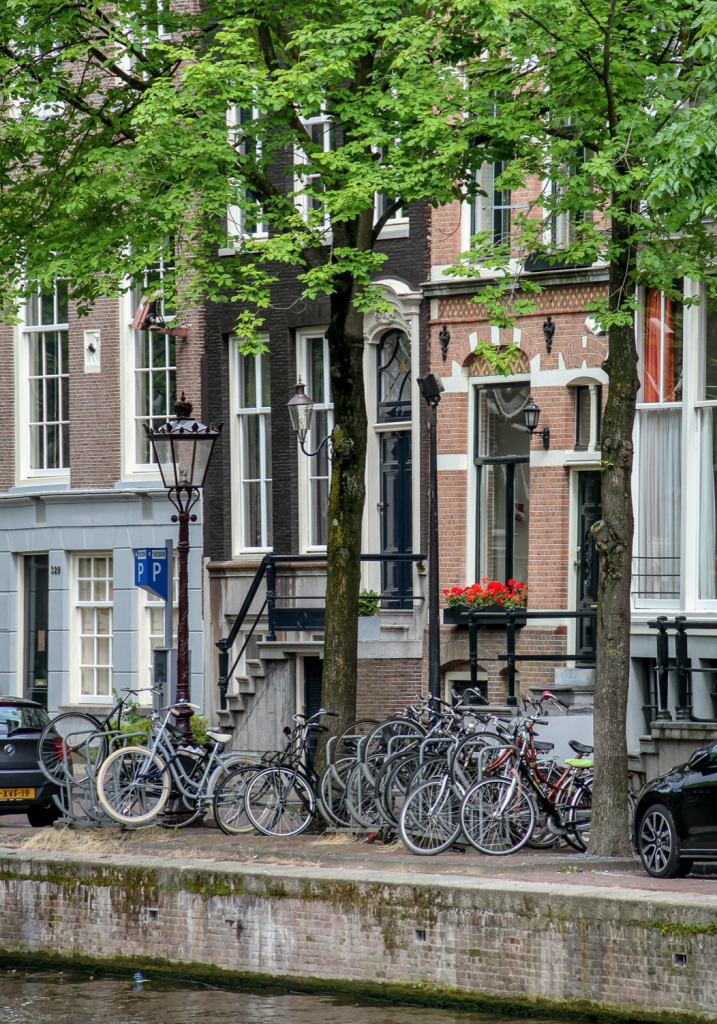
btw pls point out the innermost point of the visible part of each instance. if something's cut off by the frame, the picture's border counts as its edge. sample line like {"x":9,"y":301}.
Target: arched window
{"x":394,"y":377}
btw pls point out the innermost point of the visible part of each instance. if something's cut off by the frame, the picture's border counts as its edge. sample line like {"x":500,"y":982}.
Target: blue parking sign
{"x":151,"y":571}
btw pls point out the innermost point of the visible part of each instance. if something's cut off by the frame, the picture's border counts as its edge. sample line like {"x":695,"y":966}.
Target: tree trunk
{"x":346,"y":503}
{"x":613,"y":539}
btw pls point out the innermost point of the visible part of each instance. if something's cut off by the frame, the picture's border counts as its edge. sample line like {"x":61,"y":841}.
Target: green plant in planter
{"x":368,"y":602}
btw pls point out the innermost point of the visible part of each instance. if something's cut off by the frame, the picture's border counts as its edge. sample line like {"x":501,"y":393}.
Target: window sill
{"x":398,"y":229}
{"x":38,"y":484}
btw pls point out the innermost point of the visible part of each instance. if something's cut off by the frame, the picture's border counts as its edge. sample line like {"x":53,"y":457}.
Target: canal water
{"x":30,"y":997}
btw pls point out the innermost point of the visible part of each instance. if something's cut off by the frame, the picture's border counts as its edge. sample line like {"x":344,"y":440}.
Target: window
{"x":46,"y":338}
{"x":588,"y":416}
{"x":394,"y":377}
{"x":661,"y":362}
{"x":564,"y":226}
{"x":656,"y":570}
{"x":154,"y":375}
{"x":502,"y":446}
{"x":154,"y":612}
{"x":94,"y":616}
{"x":321,"y":132}
{"x":491,"y":213}
{"x":707,"y":419}
{"x":254,"y":416}
{"x":246,"y":219}
{"x":397,"y":224}
{"x":315,"y":358}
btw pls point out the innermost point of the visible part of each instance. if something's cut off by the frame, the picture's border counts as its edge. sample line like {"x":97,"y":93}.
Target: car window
{"x":22,"y":717}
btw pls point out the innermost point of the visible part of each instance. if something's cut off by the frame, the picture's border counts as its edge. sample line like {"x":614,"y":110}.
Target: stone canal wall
{"x":567,"y":949}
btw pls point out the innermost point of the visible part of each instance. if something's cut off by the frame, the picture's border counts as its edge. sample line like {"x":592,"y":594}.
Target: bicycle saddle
{"x":580,"y":748}
{"x":543,"y":748}
{"x":219,"y":737}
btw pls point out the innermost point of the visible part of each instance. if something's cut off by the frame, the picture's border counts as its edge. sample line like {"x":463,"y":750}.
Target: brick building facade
{"x":78,"y":491}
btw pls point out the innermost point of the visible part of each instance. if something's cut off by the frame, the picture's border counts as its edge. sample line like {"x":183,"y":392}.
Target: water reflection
{"x":39,"y":997}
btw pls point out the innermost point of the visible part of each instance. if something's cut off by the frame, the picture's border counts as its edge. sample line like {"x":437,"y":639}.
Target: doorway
{"x":313,"y":675}
{"x":587,"y":561}
{"x":36,"y":632}
{"x":396,"y":518}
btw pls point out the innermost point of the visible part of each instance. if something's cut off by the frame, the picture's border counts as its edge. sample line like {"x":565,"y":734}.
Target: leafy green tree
{"x":613,"y":100}
{"x":129,"y":130}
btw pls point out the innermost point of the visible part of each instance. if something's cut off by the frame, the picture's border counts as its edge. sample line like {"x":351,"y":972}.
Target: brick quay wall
{"x":515,"y":946}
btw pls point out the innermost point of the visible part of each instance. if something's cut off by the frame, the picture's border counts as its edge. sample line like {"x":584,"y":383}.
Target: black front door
{"x":313,"y":673}
{"x":36,"y":640}
{"x":589,"y":511}
{"x":396,"y":516}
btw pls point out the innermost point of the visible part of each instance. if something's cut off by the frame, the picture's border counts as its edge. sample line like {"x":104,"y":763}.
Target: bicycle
{"x":134,"y":783}
{"x":280,"y":799}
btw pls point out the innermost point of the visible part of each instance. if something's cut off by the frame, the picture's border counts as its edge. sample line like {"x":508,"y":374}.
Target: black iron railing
{"x":682,"y":665}
{"x":295,"y":618}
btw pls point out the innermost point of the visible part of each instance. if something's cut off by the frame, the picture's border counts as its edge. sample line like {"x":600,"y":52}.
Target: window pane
{"x":267,"y":445}
{"x":521,"y":509}
{"x":99,"y":568}
{"x":159,"y":393}
{"x":672,"y":357}
{"x":493,"y":479}
{"x":710,"y":353}
{"x":84,"y":567}
{"x":141,"y":348}
{"x":251,"y":456}
{"x":64,"y":342}
{"x":31,"y":317}
{"x":52,"y":399}
{"x":582,"y":399}
{"x":394,"y":376}
{"x":247,"y":387}
{"x":319,"y":511}
{"x":708,"y":506}
{"x":651,"y":353}
{"x":52,"y":443}
{"x":87,"y":621}
{"x":269,"y":516}
{"x":265,"y":381}
{"x":47,"y":308}
{"x":252,"y":515}
{"x":87,"y":651}
{"x":99,"y":589}
{"x":315,"y":369}
{"x":37,"y":448}
{"x":84,"y":590}
{"x":142,"y":381}
{"x":65,"y":434}
{"x":62,"y":302}
{"x":159,"y":350}
{"x":657,"y":570}
{"x":36,"y":364}
{"x":502,"y":427}
{"x":103,"y":651}
{"x":103,"y":682}
{"x":51,"y":359}
{"x":104,"y":621}
{"x":319,"y":465}
{"x":65,"y":407}
{"x":88,"y":681}
{"x":37,"y":401}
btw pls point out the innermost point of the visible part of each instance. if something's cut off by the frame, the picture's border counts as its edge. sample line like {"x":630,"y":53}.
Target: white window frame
{"x":236,"y":215}
{"x":237,"y":475}
{"x":76,"y":633}
{"x":397,"y":225}
{"x":24,"y":473}
{"x":306,"y":464}
{"x":300,"y":158}
{"x":132,"y":470}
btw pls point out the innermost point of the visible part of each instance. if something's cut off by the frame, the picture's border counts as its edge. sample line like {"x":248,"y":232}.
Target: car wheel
{"x":39,"y":817}
{"x":658,"y":844}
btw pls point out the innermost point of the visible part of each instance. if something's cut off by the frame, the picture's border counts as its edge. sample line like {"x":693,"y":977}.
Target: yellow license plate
{"x":17,"y":794}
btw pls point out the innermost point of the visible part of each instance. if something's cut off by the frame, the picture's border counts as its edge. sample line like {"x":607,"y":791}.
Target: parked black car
{"x":23,"y":787}
{"x":676,"y":817}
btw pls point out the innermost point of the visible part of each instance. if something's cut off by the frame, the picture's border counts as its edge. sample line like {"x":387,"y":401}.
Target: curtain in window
{"x":657,"y":568}
{"x":708,"y":526}
{"x":651,"y":353}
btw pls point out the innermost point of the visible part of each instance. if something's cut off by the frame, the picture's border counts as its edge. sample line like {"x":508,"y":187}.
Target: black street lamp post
{"x":431,"y":387}
{"x":301,"y":413}
{"x":183,"y":448}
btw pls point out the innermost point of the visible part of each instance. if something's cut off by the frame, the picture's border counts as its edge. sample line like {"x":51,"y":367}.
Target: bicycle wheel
{"x":348,"y":740}
{"x":69,"y":746}
{"x":360,"y":799}
{"x":430,"y":818}
{"x":392,"y":782}
{"x":331,"y":792}
{"x":577,"y":818}
{"x":432,"y":768}
{"x":468,"y":765}
{"x":388,"y":738}
{"x":228,"y":801}
{"x":497,"y":816}
{"x":133,"y":785}
{"x":279,"y":802}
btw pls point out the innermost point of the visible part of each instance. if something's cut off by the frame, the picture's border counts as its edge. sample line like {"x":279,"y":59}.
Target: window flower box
{"x":460,"y":615}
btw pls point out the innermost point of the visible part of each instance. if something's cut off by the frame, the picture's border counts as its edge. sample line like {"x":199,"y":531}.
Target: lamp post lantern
{"x":431,"y":387}
{"x":301,"y":413}
{"x":531,"y":415}
{"x":183,"y":448}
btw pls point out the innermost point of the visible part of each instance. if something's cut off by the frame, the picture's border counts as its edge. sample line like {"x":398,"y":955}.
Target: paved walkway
{"x":350,"y":854}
